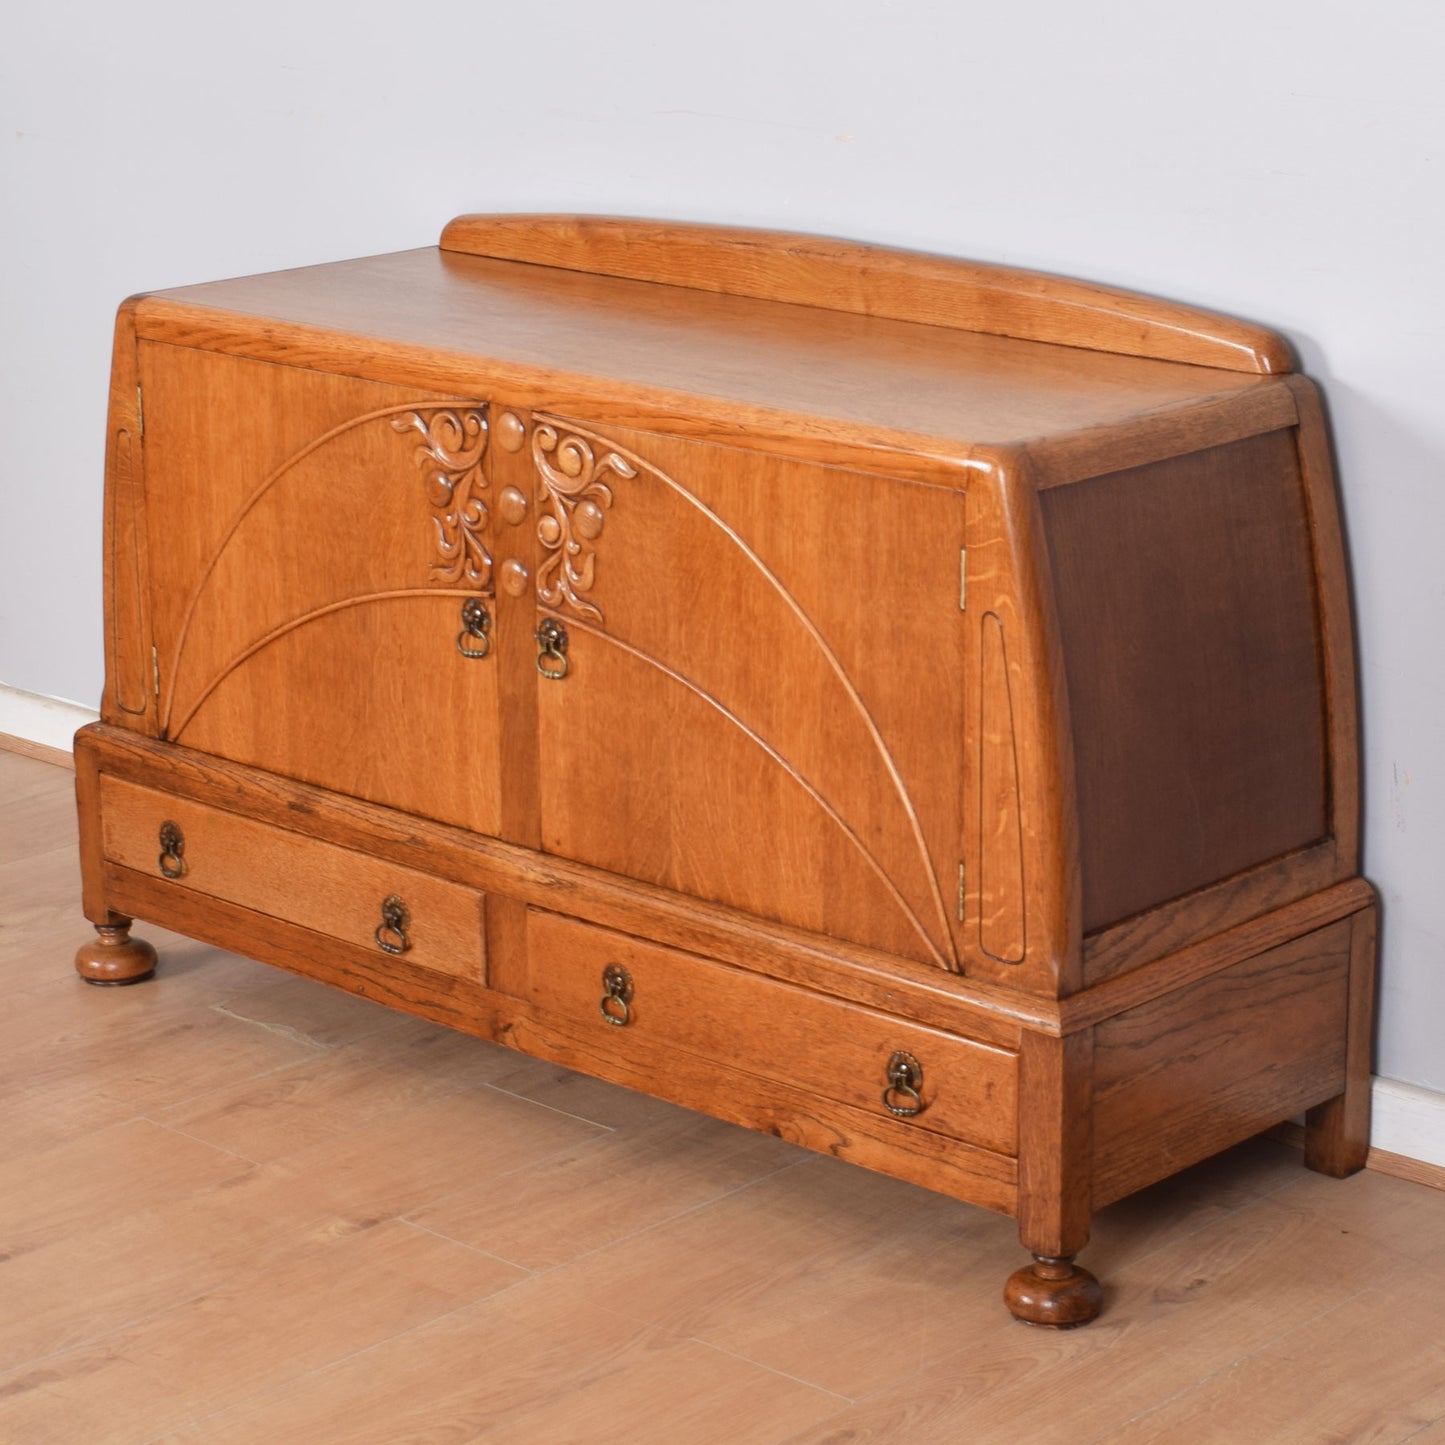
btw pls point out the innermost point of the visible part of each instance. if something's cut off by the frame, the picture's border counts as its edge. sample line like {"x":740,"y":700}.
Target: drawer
{"x":330,"y":890}
{"x":778,"y":1031}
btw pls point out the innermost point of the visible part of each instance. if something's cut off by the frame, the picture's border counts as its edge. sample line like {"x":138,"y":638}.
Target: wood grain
{"x":955,"y":658}
{"x":808,"y":1279}
{"x":804,"y":1040}
{"x":874,"y":281}
{"x":923,"y":993}
{"x":329,"y":890}
{"x":1212,"y":1063}
{"x":1187,"y":608}
{"x":41,"y":752}
{"x":806,"y":379}
{"x":129,"y":692}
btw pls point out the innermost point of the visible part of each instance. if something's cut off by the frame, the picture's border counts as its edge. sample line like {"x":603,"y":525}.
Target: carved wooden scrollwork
{"x":454,"y":440}
{"x":573,"y":501}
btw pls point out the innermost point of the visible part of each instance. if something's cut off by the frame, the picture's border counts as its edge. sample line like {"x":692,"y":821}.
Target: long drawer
{"x":347,"y":895}
{"x":649,"y":994}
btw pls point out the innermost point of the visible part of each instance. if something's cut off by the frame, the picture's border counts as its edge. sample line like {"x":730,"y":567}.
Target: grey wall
{"x":1276,"y":158}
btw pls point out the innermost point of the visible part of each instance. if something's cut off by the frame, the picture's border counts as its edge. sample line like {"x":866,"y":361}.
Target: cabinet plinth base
{"x":1054,"y":1292}
{"x":114,"y":957}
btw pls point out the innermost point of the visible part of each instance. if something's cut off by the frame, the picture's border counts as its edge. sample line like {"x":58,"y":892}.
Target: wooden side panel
{"x":761,"y":706}
{"x":1001,"y":862}
{"x":327,"y":889}
{"x":1187,"y":610}
{"x":129,"y":693}
{"x":1021,"y":894}
{"x":1336,"y":624}
{"x":313,"y":540}
{"x":1188,"y":1074}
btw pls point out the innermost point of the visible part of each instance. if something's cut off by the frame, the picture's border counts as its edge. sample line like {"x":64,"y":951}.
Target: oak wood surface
{"x":753,"y":707}
{"x":308,"y":583}
{"x":1186,"y":603}
{"x":895,"y":985}
{"x":129,"y":691}
{"x":1191,"y":1072}
{"x":864,"y":672}
{"x":874,"y":281}
{"x":1336,"y":622}
{"x":722,"y":361}
{"x":731,"y":1280}
{"x":800,"y":1039}
{"x":1337,"y":1132}
{"x":330,"y":890}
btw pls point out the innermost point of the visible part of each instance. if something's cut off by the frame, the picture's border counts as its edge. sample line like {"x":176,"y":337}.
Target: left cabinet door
{"x":321,"y":579}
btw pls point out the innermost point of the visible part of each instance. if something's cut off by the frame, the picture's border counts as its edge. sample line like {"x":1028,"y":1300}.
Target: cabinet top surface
{"x":570,"y":334}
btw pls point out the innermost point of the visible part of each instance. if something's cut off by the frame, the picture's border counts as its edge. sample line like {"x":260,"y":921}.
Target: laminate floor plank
{"x":38,"y":900}
{"x":532,"y":1365}
{"x":1307,"y":1385}
{"x":238,"y":1206}
{"x":821,"y":1272}
{"x":39,"y":819}
{"x":48,"y":1195}
{"x":275,"y":1324}
{"x":608,"y":1189}
{"x":1173,"y":1317}
{"x":324,"y":1097}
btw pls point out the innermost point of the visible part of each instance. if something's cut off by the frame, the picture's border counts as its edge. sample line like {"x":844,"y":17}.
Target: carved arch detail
{"x":595,"y":454}
{"x":454,"y":436}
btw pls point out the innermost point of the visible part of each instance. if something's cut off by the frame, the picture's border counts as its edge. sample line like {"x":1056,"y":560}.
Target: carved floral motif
{"x":573,"y":501}
{"x":454,"y":439}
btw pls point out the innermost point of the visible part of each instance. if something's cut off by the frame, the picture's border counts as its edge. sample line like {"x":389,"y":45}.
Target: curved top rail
{"x":876,"y":281}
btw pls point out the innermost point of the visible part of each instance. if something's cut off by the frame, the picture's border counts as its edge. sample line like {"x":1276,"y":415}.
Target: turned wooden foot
{"x":1053,"y":1292}
{"x":115,"y":957}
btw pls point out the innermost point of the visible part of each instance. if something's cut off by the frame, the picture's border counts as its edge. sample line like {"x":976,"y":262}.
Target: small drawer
{"x":824,"y":1045}
{"x":331,"y":890}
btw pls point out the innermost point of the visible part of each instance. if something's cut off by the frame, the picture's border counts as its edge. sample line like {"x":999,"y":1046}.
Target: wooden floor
{"x":237,"y":1206}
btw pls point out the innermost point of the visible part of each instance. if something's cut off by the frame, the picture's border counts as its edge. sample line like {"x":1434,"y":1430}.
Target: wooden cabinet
{"x":900,"y":704}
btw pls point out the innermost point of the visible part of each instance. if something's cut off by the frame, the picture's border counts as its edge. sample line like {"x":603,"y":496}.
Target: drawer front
{"x":806,"y":1040}
{"x":331,"y":890}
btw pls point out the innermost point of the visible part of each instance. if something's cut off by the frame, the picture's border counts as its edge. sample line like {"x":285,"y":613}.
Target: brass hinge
{"x":156,"y":670}
{"x":963,"y":579}
{"x":140,"y":415}
{"x":962,"y":888}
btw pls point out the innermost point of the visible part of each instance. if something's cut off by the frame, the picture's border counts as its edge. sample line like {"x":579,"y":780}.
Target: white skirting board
{"x":49,"y":721}
{"x":1408,"y":1121}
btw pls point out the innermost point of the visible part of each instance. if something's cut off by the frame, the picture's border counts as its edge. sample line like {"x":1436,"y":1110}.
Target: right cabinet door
{"x":762,"y":704}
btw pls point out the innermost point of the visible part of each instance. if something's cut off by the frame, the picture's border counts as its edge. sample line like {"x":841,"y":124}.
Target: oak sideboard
{"x":901,"y":704}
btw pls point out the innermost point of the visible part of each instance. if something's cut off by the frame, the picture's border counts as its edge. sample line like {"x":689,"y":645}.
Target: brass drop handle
{"x":173,"y":846}
{"x":616,"y":995}
{"x":474,"y":639}
{"x":391,"y":932}
{"x":905,"y":1080}
{"x":552,"y":649}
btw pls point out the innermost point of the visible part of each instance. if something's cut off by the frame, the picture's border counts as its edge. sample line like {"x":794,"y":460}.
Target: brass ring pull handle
{"x":474,"y":639}
{"x":552,"y":653}
{"x":616,"y":995}
{"x":905,"y":1079}
{"x":395,"y":920}
{"x":173,"y":846}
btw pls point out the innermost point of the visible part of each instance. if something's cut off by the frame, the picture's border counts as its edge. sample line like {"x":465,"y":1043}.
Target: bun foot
{"x":1053,"y":1292}
{"x":115,"y":957}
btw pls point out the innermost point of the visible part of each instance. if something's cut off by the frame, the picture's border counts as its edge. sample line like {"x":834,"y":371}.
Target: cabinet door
{"x":313,"y":541}
{"x":762,"y":703}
